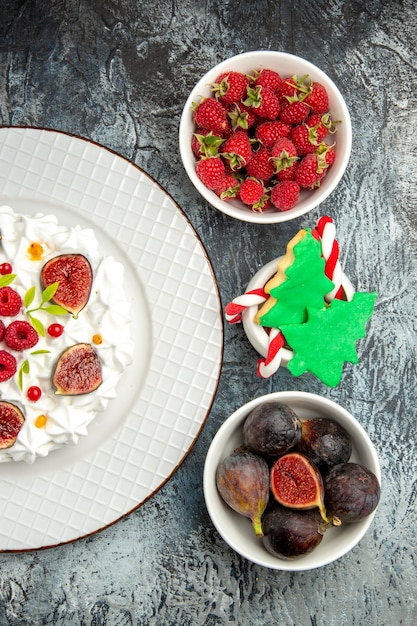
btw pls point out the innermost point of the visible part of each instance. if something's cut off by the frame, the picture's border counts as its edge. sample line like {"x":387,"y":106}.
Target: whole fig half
{"x":11,"y":421}
{"x":78,"y":371}
{"x":242,"y":479}
{"x":75,"y":278}
{"x":271,"y":429}
{"x":296,"y":483}
{"x":290,"y":534}
{"x":352,"y":492}
{"x":325,"y":442}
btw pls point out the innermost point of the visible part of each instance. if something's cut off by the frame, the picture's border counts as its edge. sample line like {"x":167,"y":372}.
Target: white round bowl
{"x":237,"y":530}
{"x":286,"y":65}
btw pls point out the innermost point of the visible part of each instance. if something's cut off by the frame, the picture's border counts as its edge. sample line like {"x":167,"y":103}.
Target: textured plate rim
{"x":215,"y":286}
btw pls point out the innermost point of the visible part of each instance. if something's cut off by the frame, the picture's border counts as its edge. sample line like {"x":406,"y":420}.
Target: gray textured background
{"x":119,"y":73}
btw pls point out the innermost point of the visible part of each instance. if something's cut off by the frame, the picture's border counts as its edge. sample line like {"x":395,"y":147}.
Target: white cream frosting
{"x":107,"y":314}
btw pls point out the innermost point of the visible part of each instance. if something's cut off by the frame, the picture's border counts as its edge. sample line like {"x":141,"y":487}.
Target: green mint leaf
{"x":37,"y":325}
{"x":49,"y":292}
{"x":7,"y":279}
{"x":55,"y":309}
{"x":23,"y":369}
{"x":29,"y":296}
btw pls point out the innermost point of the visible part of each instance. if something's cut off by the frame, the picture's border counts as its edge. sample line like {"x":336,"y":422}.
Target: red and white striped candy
{"x":233,"y":310}
{"x":330,"y":252}
{"x":268,"y":366}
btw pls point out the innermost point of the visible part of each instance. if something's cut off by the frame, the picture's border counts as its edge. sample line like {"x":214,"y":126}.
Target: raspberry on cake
{"x":20,"y":335}
{"x":41,"y":322}
{"x":10,"y":302}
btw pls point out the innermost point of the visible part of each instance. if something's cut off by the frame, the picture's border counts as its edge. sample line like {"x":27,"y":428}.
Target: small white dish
{"x":236,"y":529}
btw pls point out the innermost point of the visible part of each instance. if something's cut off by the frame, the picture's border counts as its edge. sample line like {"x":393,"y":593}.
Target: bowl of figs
{"x":292,"y":481}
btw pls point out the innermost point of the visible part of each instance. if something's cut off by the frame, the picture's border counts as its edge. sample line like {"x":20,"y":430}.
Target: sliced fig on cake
{"x":78,"y":371}
{"x":11,"y":421}
{"x":74,"y":276}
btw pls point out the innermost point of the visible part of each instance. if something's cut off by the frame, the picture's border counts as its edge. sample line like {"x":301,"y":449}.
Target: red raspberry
{"x":285,"y":194}
{"x":268,"y":132}
{"x":322,"y":125}
{"x":230,"y":87}
{"x":317,"y":99}
{"x":330,"y":156}
{"x":205,"y":143}
{"x":260,"y":166}
{"x":305,"y":139}
{"x":310,"y":171}
{"x":237,"y":150}
{"x":326,"y":155}
{"x":228,"y":188}
{"x":284,"y":154}
{"x":20,"y":336}
{"x":269,"y":78}
{"x":2,"y":329}
{"x":264,"y":101}
{"x":10,"y":302}
{"x":210,"y":171}
{"x":288,"y":173}
{"x":241,"y":116}
{"x":251,"y":191}
{"x":294,"y":112}
{"x":211,"y":114}
{"x":289,"y":87}
{"x":8,"y":366}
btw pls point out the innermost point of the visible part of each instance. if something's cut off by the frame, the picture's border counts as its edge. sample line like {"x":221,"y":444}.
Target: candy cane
{"x":330,"y":251}
{"x":268,"y":366}
{"x":233,"y":310}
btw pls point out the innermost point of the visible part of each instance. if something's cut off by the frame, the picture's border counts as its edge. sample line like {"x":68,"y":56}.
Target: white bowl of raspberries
{"x":265,"y":136}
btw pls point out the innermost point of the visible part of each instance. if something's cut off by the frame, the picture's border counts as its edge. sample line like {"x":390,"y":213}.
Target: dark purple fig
{"x":242,"y":480}
{"x":352,"y":492}
{"x":74,"y":276}
{"x":78,"y":371}
{"x":325,"y":442}
{"x":289,"y":534}
{"x":11,"y":421}
{"x":271,"y":428}
{"x":296,"y":483}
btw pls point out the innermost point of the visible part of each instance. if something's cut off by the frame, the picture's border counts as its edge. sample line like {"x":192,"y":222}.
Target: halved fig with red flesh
{"x":11,"y":421}
{"x":74,"y":274}
{"x":78,"y":371}
{"x":297,"y":483}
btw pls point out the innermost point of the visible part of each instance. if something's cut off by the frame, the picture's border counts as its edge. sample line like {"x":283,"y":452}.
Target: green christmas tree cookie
{"x":328,"y":338}
{"x":304,"y":287}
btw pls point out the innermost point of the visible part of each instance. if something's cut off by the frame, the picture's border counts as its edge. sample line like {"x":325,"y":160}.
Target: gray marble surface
{"x":119,"y":73}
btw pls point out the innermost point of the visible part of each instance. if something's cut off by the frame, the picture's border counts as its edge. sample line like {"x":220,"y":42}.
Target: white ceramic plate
{"x":164,"y":397}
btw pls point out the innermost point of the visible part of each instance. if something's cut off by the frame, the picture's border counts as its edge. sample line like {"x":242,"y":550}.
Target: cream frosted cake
{"x":65,"y":336}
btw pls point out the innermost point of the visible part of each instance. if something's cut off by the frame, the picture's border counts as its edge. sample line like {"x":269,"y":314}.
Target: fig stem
{"x":323,"y":513}
{"x":257,"y":526}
